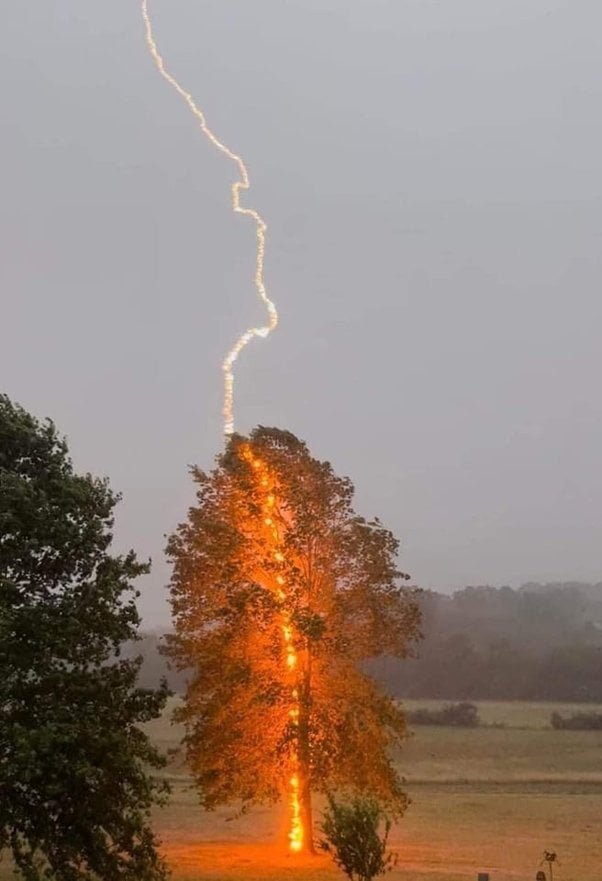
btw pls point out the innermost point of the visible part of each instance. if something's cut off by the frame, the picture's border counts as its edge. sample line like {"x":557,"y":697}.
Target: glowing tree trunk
{"x":304,"y":762}
{"x":271,"y":525}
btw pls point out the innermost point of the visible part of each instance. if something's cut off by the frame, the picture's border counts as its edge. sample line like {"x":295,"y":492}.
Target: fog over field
{"x":430,"y":172}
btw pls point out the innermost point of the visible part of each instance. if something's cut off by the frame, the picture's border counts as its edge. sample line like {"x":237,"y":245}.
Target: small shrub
{"x":462,"y":715}
{"x":352,"y":835}
{"x":550,"y":857}
{"x":577,"y":722}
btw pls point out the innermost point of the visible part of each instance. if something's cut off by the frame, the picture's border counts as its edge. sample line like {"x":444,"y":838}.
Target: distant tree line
{"x":577,"y":722}
{"x":154,"y":667}
{"x":540,"y":642}
{"x":461,"y":715}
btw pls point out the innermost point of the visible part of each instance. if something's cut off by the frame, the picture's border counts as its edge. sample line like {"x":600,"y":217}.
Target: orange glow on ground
{"x":252,"y":861}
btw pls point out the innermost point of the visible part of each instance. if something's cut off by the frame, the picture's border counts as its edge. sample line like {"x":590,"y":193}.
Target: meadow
{"x":489,"y":799}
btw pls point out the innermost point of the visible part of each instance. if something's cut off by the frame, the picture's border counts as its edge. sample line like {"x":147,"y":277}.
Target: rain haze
{"x":430,"y":174}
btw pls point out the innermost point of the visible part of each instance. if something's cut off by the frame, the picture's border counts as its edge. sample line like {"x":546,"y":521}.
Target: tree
{"x":352,"y":836}
{"x":75,"y":792}
{"x":462,"y":715}
{"x":279,"y":594}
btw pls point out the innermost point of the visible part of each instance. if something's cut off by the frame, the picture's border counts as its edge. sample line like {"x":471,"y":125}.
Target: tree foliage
{"x":352,"y":835}
{"x":343,"y":603}
{"x":75,"y":792}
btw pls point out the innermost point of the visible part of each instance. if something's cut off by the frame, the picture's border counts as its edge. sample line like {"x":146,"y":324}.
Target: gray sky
{"x":430,"y":171}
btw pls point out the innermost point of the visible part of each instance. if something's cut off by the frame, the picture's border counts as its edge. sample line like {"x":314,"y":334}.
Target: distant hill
{"x":540,"y":642}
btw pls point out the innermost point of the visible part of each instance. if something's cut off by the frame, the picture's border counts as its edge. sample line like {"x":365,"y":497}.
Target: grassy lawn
{"x":487,"y":799}
{"x":526,"y":751}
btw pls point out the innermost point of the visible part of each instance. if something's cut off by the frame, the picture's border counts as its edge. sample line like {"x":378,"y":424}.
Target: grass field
{"x":487,"y":799}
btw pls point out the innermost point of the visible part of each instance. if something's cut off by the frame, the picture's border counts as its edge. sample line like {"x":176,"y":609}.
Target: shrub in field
{"x":462,"y":715}
{"x":549,"y":857}
{"x":577,"y":722}
{"x":352,"y":835}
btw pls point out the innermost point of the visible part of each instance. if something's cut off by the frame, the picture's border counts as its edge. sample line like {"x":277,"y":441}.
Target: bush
{"x":462,"y":715}
{"x":577,"y":722}
{"x":352,"y":837}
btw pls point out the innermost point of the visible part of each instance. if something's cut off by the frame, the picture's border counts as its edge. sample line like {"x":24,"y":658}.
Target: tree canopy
{"x":75,"y":792}
{"x":280,"y":591}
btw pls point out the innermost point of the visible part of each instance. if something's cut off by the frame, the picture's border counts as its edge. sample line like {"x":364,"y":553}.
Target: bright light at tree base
{"x":296,"y":834}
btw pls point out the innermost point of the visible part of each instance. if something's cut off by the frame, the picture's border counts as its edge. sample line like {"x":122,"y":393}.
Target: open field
{"x":488,"y":799}
{"x":513,"y":714}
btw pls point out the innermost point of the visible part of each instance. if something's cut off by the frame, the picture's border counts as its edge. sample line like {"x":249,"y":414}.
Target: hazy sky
{"x":430,"y":171}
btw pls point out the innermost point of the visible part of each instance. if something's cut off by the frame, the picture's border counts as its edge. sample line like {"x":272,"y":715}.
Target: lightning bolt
{"x":242,"y":183}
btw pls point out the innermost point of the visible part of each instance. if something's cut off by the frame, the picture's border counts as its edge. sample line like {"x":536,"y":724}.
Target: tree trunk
{"x":304,"y":759}
{"x":306,"y":814}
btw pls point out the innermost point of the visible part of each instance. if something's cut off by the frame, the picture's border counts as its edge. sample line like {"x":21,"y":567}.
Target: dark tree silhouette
{"x":75,"y":792}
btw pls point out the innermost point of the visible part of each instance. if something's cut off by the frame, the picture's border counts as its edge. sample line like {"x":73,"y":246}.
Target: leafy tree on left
{"x":76,"y":784}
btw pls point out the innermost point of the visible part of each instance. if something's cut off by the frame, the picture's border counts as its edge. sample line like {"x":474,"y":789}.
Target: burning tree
{"x":279,"y":593}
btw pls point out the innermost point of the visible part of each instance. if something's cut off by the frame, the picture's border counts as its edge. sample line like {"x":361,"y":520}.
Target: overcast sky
{"x":430,"y":172}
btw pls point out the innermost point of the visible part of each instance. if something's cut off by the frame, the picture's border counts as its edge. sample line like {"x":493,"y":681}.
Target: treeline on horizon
{"x":541,"y":642}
